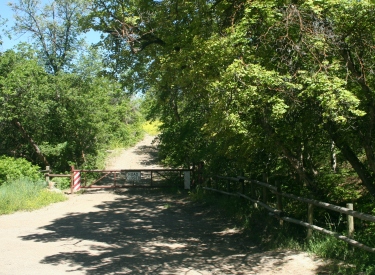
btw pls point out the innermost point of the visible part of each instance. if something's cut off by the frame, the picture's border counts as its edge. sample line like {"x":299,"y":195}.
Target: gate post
{"x":186,"y":179}
{"x":75,"y":182}
{"x":71,"y":178}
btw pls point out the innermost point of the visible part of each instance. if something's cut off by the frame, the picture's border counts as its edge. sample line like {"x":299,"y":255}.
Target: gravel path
{"x":143,"y":155}
{"x":135,"y":232}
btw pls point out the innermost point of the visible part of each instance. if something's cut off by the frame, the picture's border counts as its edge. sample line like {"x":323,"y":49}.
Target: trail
{"x":136,"y":232}
{"x":142,"y":155}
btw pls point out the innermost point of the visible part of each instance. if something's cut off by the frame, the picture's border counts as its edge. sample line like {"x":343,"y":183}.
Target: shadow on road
{"x":147,"y":232}
{"x":151,"y":155}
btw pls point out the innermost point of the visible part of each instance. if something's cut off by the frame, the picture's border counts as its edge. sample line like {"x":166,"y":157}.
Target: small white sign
{"x":133,"y":176}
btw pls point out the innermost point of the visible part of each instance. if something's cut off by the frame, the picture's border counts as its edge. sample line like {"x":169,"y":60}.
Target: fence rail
{"x":281,"y":215}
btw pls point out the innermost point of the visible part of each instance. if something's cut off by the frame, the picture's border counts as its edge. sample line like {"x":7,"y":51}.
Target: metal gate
{"x":128,"y":178}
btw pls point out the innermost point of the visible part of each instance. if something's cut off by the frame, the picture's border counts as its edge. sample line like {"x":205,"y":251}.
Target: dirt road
{"x":135,"y":232}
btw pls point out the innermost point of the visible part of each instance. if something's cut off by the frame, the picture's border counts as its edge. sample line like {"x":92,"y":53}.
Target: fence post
{"x":151,"y":179}
{"x":310,"y":218}
{"x":350,"y":221}
{"x":200,"y":173}
{"x":242,"y":181}
{"x":181,"y":179}
{"x":279,"y":199}
{"x":253,"y":193}
{"x":71,"y":179}
{"x":114,"y":179}
{"x":265,"y":190}
{"x":47,"y":175}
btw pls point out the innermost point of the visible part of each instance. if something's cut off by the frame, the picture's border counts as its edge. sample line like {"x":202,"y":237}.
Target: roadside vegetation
{"x":26,"y":195}
{"x":22,"y":187}
{"x":277,"y":91}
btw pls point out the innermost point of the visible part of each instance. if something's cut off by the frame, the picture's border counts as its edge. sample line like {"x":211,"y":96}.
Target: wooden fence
{"x":277,"y":211}
{"x":48,"y":175}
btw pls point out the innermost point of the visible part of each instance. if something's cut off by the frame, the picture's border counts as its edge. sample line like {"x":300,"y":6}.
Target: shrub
{"x":15,"y":168}
{"x":62,"y":183}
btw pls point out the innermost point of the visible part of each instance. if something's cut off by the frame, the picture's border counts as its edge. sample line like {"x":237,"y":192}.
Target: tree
{"x":54,"y":29}
{"x":24,"y":100}
{"x":286,"y":79}
{"x":60,"y":119}
{"x":2,"y":22}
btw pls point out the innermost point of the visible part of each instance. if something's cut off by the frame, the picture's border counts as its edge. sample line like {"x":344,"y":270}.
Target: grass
{"x":346,"y":259}
{"x":26,"y":195}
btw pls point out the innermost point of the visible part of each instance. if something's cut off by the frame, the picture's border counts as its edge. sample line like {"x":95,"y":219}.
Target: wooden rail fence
{"x":277,"y":210}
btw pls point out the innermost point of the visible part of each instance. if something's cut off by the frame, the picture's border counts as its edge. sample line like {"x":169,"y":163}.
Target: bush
{"x":62,"y":183}
{"x":16,"y":168}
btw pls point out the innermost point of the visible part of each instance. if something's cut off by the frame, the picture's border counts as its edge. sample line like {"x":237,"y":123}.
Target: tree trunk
{"x":361,"y":170}
{"x":31,"y":141}
{"x":294,"y":162}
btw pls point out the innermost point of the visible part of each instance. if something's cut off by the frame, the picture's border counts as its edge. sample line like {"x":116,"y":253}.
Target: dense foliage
{"x":60,"y":119}
{"x":276,"y":87}
{"x":12,"y":169}
{"x":56,"y":107}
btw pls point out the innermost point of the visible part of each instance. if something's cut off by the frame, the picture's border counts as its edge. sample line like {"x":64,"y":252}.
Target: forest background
{"x":273,"y":90}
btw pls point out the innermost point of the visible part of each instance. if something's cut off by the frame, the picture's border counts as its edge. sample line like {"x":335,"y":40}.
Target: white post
{"x":350,"y":221}
{"x":187,"y":179}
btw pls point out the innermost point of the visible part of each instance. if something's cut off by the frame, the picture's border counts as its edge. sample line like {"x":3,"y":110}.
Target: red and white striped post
{"x":77,"y":181}
{"x":75,"y":184}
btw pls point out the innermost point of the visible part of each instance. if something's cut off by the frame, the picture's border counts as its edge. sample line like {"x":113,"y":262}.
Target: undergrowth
{"x":268,"y":233}
{"x":26,"y":194}
{"x":62,"y":183}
